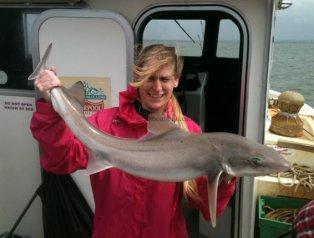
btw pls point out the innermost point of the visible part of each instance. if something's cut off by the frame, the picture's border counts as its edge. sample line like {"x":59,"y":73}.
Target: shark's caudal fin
{"x":96,"y":163}
{"x":42,"y":64}
{"x":212,"y":187}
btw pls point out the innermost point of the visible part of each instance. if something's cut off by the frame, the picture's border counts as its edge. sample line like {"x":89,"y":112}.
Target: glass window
{"x":228,"y":45}
{"x":28,"y":21}
{"x":15,"y":46}
{"x":186,"y":35}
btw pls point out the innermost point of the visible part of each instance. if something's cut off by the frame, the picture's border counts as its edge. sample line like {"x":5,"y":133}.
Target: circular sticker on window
{"x":3,"y":77}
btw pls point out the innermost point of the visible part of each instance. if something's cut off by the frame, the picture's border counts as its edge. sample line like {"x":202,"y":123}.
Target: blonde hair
{"x":142,"y":70}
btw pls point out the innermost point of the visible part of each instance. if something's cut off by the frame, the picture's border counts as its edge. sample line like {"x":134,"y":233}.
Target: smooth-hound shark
{"x":167,"y":153}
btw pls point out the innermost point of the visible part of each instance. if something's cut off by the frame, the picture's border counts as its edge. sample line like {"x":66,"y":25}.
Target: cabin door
{"x":95,"y":47}
{"x":214,"y":43}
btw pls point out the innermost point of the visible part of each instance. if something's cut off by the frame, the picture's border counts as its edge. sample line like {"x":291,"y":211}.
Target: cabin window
{"x":15,"y":46}
{"x":228,"y":44}
{"x":213,"y":42}
{"x":184,"y":34}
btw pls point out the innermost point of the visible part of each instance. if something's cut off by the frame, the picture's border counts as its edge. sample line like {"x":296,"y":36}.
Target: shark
{"x":167,"y":152}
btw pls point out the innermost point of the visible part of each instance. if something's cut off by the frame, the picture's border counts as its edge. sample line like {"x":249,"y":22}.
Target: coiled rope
{"x":301,"y":175}
{"x":281,"y":214}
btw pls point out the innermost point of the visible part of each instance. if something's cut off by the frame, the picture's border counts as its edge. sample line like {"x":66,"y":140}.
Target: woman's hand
{"x":47,"y":80}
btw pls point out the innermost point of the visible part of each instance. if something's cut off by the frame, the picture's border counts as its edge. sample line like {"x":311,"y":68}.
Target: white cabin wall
{"x":20,"y":170}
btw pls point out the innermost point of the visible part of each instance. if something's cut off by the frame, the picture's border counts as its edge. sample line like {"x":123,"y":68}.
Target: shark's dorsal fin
{"x":212,"y":187}
{"x":77,"y":91}
{"x":159,"y":124}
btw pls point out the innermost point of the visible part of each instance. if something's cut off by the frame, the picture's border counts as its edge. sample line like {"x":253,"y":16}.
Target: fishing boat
{"x":297,"y":149}
{"x":227,"y":48}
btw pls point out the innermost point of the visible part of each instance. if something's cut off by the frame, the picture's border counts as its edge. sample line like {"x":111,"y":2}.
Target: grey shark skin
{"x":169,"y":153}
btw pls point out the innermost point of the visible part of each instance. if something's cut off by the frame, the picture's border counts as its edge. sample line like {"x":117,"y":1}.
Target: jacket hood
{"x":127,"y":111}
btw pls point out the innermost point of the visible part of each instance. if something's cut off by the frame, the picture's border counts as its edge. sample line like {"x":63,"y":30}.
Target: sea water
{"x":292,"y":63}
{"x":293,"y":68}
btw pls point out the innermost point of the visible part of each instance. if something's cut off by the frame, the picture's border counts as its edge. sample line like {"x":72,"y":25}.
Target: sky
{"x":296,"y":22}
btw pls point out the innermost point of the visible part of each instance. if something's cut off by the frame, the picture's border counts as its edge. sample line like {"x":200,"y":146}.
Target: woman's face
{"x":156,"y":91}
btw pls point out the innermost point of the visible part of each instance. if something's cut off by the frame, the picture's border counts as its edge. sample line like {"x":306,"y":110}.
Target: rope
{"x":301,"y":175}
{"x":281,"y":214}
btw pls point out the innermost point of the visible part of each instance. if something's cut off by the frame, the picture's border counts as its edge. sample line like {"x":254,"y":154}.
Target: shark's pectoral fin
{"x":212,"y":187}
{"x":96,"y":163}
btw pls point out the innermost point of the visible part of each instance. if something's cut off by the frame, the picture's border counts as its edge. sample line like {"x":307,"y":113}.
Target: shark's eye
{"x":256,"y":161}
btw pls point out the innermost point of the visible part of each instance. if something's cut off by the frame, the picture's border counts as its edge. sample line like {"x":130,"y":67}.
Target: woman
{"x":125,"y":205}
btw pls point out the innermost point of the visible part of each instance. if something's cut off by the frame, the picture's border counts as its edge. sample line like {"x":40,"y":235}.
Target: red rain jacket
{"x":125,"y":205}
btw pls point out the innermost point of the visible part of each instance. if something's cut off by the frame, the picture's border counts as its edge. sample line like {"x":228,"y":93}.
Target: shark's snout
{"x":284,"y":166}
{"x":279,"y":165}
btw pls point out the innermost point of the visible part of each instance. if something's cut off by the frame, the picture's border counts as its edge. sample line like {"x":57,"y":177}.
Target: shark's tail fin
{"x":42,"y":64}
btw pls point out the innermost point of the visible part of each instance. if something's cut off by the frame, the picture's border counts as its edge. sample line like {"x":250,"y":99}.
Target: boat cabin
{"x":227,"y":48}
